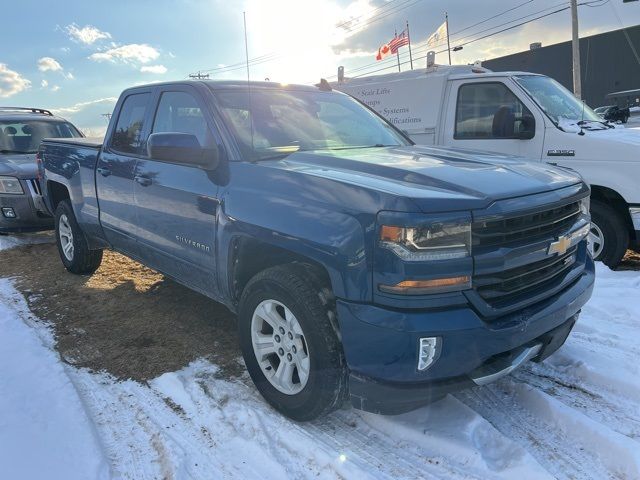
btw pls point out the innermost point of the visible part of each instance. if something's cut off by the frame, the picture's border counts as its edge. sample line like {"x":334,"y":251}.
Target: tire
{"x":294,"y":288}
{"x":72,"y":244}
{"x":607,"y":223}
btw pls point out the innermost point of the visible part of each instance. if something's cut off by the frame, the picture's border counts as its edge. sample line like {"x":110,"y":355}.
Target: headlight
{"x":585,"y":204}
{"x":438,"y":241}
{"x":10,"y":185}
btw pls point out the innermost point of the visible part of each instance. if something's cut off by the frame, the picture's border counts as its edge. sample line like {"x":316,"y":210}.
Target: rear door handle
{"x":142,"y":180}
{"x":105,"y":172}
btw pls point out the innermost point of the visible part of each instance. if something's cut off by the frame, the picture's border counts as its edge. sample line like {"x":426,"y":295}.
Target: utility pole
{"x":575,"y":42}
{"x":446,"y":19}
{"x":199,"y":76}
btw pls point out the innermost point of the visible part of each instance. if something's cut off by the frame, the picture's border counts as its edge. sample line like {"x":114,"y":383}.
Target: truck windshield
{"x":556,"y":101}
{"x":269,"y":123}
{"x":25,"y":136}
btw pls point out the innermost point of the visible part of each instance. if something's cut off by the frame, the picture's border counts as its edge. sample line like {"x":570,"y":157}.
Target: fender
{"x":305,"y":215}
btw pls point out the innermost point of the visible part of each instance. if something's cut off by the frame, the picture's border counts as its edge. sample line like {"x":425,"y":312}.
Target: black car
{"x":21,"y":131}
{"x":614,"y":113}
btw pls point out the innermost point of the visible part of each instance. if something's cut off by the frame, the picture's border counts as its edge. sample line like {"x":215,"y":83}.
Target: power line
{"x":465,"y":42}
{"x":477,"y":39}
{"x":425,"y":45}
{"x":391,"y":10}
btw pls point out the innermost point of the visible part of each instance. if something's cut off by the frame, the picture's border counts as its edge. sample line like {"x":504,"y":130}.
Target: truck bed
{"x":89,"y":142}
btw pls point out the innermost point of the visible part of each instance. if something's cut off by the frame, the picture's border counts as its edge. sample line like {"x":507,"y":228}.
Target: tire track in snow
{"x":601,"y":406}
{"x":557,"y":454}
{"x":567,"y":442}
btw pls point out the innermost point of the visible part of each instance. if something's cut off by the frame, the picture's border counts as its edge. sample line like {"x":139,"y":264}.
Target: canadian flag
{"x":383,"y":52}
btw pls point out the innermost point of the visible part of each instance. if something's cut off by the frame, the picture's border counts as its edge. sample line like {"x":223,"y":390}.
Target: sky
{"x":75,"y":57}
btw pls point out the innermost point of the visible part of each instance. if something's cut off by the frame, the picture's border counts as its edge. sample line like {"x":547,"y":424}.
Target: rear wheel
{"x":72,"y":244}
{"x":289,"y":344}
{"x":609,"y":237}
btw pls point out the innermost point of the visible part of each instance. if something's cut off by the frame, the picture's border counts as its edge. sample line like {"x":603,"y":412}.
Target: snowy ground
{"x":575,"y":416}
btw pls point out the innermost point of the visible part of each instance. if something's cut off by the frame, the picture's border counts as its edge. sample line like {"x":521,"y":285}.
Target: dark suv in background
{"x":21,"y":131}
{"x":614,"y":113}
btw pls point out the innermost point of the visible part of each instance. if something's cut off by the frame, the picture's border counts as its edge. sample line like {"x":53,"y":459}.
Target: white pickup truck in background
{"x":525,"y":114}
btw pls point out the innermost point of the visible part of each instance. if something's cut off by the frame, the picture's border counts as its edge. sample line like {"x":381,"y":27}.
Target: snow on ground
{"x":577,"y":415}
{"x":45,"y":431}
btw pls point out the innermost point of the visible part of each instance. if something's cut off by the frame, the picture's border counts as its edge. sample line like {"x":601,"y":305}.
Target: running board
{"x":493,"y":371}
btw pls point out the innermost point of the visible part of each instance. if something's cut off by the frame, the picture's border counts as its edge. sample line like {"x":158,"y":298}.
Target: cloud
{"x":46,"y":64}
{"x":55,"y":88}
{"x":44,"y":84}
{"x":87,"y":34}
{"x":133,"y":52}
{"x":11,"y":82}
{"x":154,"y":69}
{"x":82,"y":105}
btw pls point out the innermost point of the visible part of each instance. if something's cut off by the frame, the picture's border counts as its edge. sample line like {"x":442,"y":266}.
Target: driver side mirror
{"x":527,"y":127}
{"x":181,"y":148}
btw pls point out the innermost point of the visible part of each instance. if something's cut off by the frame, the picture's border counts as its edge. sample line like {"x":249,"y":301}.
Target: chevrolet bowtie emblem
{"x":560,"y":246}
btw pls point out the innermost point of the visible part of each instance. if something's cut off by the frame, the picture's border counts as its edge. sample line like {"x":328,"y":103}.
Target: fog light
{"x":429,"y":350}
{"x":8,"y":212}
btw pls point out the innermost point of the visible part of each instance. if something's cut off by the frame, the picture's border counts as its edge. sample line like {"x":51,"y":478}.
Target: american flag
{"x":399,"y":41}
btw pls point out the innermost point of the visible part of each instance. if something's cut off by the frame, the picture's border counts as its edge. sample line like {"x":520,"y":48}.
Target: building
{"x":609,"y":65}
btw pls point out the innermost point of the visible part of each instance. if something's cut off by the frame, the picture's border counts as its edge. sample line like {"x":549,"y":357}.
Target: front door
{"x":176,"y":202}
{"x":489,"y":116}
{"x":116,"y":170}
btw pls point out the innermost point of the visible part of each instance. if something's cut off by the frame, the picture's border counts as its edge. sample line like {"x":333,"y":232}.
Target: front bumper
{"x":382,"y":356}
{"x":29,"y":208}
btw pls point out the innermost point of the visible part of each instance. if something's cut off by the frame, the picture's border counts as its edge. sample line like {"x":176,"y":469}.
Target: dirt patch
{"x":631,"y":261}
{"x":125,"y":319}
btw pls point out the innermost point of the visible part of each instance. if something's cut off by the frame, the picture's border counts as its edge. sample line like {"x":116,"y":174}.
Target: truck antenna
{"x":246,"y":54}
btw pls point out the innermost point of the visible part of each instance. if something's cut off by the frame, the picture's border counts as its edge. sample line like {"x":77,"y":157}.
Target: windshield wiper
{"x":377,"y":145}
{"x":586,"y":122}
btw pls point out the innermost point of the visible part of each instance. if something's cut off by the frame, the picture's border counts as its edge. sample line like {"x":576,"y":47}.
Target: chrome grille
{"x":35,"y":186}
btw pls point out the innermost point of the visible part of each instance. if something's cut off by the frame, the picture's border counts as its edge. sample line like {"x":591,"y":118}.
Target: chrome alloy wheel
{"x":66,"y":237}
{"x":595,"y":241}
{"x":280,"y":347}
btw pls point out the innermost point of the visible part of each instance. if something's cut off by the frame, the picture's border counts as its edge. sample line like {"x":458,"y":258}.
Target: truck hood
{"x":435,"y":179}
{"x":19,"y":165}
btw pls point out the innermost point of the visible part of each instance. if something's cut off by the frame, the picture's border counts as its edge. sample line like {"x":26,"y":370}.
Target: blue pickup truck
{"x":361,"y":267}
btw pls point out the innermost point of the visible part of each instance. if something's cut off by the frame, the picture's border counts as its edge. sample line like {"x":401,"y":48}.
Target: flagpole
{"x":395,"y":35}
{"x":446,"y":17}
{"x":409,"y":37}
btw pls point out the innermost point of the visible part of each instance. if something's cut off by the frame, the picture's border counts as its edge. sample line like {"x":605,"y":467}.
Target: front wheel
{"x":72,"y":244}
{"x":609,"y":237}
{"x":289,"y":344}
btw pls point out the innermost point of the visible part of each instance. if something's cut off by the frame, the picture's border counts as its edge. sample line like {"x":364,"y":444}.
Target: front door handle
{"x":142,"y":180}
{"x":105,"y":172}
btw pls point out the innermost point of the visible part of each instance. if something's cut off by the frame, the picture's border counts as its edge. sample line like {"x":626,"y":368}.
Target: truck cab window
{"x":178,"y":112}
{"x":489,"y":111}
{"x":127,"y":136}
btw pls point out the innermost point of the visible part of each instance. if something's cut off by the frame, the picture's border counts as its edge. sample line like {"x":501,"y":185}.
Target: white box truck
{"x":518,"y":113}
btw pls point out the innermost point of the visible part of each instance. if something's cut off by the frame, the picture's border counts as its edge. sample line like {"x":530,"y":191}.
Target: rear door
{"x":177,"y":202}
{"x":487,"y":115}
{"x":116,"y":170}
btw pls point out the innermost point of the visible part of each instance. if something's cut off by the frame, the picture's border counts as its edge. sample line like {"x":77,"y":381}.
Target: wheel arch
{"x":248,"y":256}
{"x":616,"y":201}
{"x":56,"y":193}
